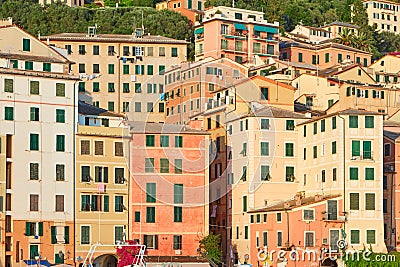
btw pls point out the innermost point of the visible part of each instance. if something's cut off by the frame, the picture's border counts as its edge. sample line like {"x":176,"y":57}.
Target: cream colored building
{"x":38,"y":112}
{"x":125,"y":71}
{"x":384,"y":14}
{"x":386,"y":69}
{"x":102,"y":184}
{"x":341,"y":153}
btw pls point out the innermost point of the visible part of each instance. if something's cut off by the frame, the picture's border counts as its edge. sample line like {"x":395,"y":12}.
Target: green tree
{"x":210,"y":247}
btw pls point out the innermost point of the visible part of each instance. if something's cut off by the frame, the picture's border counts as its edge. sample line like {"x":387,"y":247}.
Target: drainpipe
{"x":344,"y":171}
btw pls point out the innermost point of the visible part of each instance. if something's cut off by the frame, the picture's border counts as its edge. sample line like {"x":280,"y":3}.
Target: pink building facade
{"x":309,"y":224}
{"x":168,"y":196}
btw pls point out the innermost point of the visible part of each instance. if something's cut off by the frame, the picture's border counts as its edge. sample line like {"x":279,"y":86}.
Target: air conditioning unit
{"x":342,"y":218}
{"x":178,"y":252}
{"x":133,"y":78}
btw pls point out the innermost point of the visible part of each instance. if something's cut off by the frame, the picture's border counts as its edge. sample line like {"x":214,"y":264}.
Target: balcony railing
{"x":235,"y":33}
{"x":234,"y":48}
{"x":220,"y":102}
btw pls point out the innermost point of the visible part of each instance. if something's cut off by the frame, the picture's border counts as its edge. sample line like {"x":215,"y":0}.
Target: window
{"x":81,"y":49}
{"x":244,"y":204}
{"x":265,"y":175}
{"x":110,"y":68}
{"x":333,"y":122}
{"x":81,"y":87}
{"x":34,"y":114}
{"x":119,"y":175}
{"x":355,"y":148}
{"x":353,"y":121}
{"x":290,"y":125}
{"x":26,"y":44}
{"x":60,"y":172}
{"x":96,"y":68}
{"x":118,"y":149}
{"x":60,"y":89}
{"x":326,"y":57}
{"x":34,"y":171}
{"x":100,"y":174}
{"x":265,"y":148}
{"x":8,"y":85}
{"x":28,"y":65}
{"x":110,"y":105}
{"x":85,"y":235}
{"x":354,"y":201}
{"x":111,"y":88}
{"x":34,"y":87}
{"x":353,"y":173}
{"x":138,"y":106}
{"x":371,"y":237}
{"x":369,"y":122}
{"x":289,"y":149}
{"x":334,"y":147}
{"x":300,"y":56}
{"x":150,"y":214}
{"x":151,"y":241}
{"x":178,"y":141}
{"x":34,"y":142}
{"x":98,"y":147}
{"x":150,"y":192}
{"x":178,"y":193}
{"x":46,"y":67}
{"x":177,"y":214}
{"x":8,"y":113}
{"x":264,"y":93}
{"x":149,"y":165}
{"x":85,"y":147}
{"x":96,"y":50}
{"x":82,"y":68}
{"x":387,"y":150}
{"x":264,"y":124}
{"x":315,"y":128}
{"x":244,"y":173}
{"x":161,"y":51}
{"x":34,"y":202}
{"x":85,"y":174}
{"x":322,"y":126}
{"x":315,"y":152}
{"x":59,"y":203}
{"x":60,"y":143}
{"x":150,"y":106}
{"x":164,"y":166}
{"x":279,"y":239}
{"x":60,"y":115}
{"x":309,"y":239}
{"x":246,"y":232}
{"x":177,"y":242}
{"x":125,"y":88}
{"x":119,"y":234}
{"x":369,"y":174}
{"x":244,"y":149}
{"x":289,"y":174}
{"x":367,"y":150}
{"x":150,"y":140}
{"x":355,"y":236}
{"x":369,"y":201}
{"x":178,"y":166}
{"x":174,"y":52}
{"x":119,"y":204}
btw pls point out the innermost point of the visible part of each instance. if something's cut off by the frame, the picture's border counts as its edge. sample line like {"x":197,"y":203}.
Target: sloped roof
{"x":87,"y":109}
{"x":292,"y":204}
{"x":343,"y":24}
{"x":391,"y":135}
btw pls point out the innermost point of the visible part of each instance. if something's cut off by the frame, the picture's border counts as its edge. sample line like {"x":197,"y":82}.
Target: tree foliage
{"x":210,"y":247}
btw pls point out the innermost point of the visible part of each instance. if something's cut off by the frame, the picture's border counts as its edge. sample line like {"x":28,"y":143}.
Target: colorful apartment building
{"x":37,"y":125}
{"x":341,"y":153}
{"x":384,"y":14}
{"x":168,"y":193}
{"x":189,"y":86}
{"x":385,"y":70}
{"x":125,"y":71}
{"x":323,"y":55}
{"x":193,"y":10}
{"x":241,"y":35}
{"x":302,"y":225}
{"x":102,"y":184}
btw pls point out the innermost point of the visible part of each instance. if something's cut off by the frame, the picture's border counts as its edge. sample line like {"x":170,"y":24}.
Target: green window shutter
{"x":111,"y":88}
{"x":60,"y":145}
{"x":355,"y":236}
{"x":105,"y":178}
{"x":322,"y":125}
{"x":334,"y":147}
{"x":315,"y":126}
{"x":265,"y":176}
{"x":34,"y":87}
{"x":264,"y":149}
{"x":60,"y":89}
{"x":353,"y":121}
{"x":178,"y":141}
{"x":333,"y":122}
{"x":47,"y":67}
{"x":340,"y":58}
{"x":81,"y":87}
{"x":34,"y":142}
{"x":26,"y":45}
{"x":137,"y":69}
{"x":177,"y":214}
{"x":369,"y":174}
{"x":354,"y":201}
{"x":151,"y":192}
{"x":174,"y":52}
{"x":149,"y":69}
{"x":8,"y":85}
{"x":161,"y":69}
{"x":315,"y":152}
{"x":137,"y":216}
{"x":326,"y":57}
{"x":355,"y":148}
{"x":58,"y":259}
{"x":178,"y":193}
{"x":66,"y":234}
{"x":53,"y":235}
{"x":369,"y":201}
{"x":27,"y":228}
{"x":150,"y":214}
{"x":60,"y":115}
{"x":110,"y":68}
{"x":348,"y":91}
{"x":149,"y":165}
{"x":150,"y":140}
{"x":96,"y":87}
{"x":369,"y":122}
{"x":111,"y":105}
{"x":106,"y":200}
{"x":9,"y":113}
{"x":125,"y":88}
{"x":126,"y":69}
{"x":367,"y":152}
{"x":353,"y":173}
{"x":28,"y":65}
{"x":289,"y":149}
{"x":371,"y":237}
{"x":40,"y":228}
{"x":164,"y":141}
{"x":164,"y":165}
{"x":244,"y":204}
{"x":14,"y":64}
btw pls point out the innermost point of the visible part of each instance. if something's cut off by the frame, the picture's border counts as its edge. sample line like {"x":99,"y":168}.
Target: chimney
{"x":286,"y":205}
{"x":318,"y":197}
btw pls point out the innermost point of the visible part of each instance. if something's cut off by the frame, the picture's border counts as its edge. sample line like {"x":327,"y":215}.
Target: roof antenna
{"x":142,"y":22}
{"x":233,"y":3}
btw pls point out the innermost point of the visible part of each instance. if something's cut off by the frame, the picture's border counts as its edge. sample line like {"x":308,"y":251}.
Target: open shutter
{"x":28,"y":228}
{"x":66,"y":234}
{"x":106,"y":204}
{"x":40,"y":228}
{"x":53,"y":234}
{"x":156,"y":242}
{"x":105,"y":180}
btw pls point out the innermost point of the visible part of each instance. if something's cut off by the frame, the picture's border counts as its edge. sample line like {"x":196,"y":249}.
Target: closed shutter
{"x":106,"y":204}
{"x":354,"y":201}
{"x":53,"y":234}
{"x":332,"y":210}
{"x":66,"y":234}
{"x":369,"y":201}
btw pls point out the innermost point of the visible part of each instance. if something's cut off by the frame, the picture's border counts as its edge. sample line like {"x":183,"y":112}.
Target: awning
{"x":199,"y":30}
{"x":35,"y":262}
{"x":239,"y":26}
{"x":262,"y":28}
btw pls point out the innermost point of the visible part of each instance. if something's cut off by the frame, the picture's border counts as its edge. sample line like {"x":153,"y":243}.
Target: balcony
{"x":265,"y":37}
{"x":264,"y":51}
{"x":235,"y":49}
{"x":219,"y":103}
{"x":236,"y":34}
